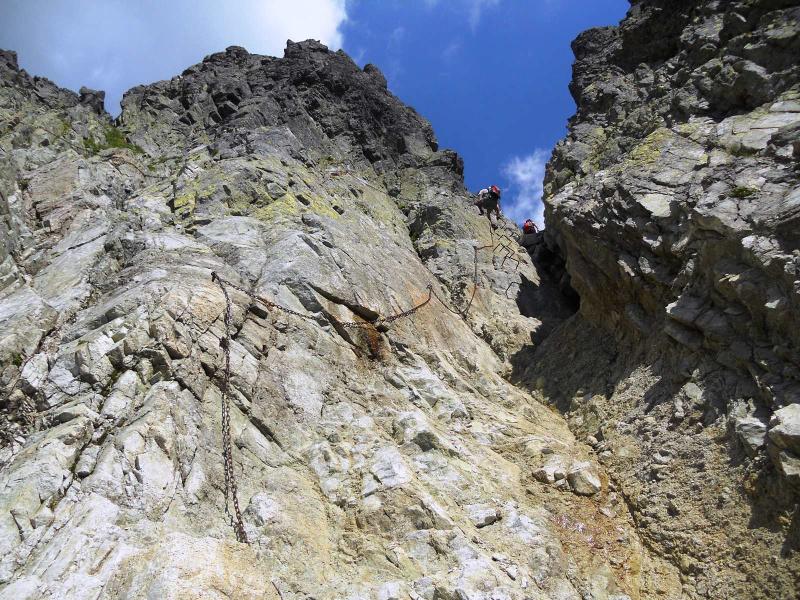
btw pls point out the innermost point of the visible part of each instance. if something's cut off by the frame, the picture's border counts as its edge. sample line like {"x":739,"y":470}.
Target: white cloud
{"x":280,"y":20}
{"x":358,"y":55}
{"x":116,"y":45}
{"x":397,"y":35}
{"x":451,"y":51}
{"x":476,"y":8}
{"x":525,"y":176}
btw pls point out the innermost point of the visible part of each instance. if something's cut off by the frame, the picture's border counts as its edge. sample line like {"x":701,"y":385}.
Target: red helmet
{"x":495,"y":189}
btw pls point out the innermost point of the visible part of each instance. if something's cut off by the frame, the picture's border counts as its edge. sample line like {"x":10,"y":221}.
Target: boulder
{"x":784,"y":428}
{"x":554,"y":469}
{"x":389,"y":468}
{"x":751,"y":433}
{"x":482,"y":515}
{"x":94,"y":99}
{"x":583,"y":479}
{"x":789,"y":466}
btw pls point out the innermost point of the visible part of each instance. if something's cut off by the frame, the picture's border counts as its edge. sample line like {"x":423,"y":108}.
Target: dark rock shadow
{"x":579,"y":360}
{"x":574,"y":358}
{"x":544,"y":302}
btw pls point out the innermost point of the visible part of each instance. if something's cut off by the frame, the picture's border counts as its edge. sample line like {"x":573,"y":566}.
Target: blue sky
{"x":490,"y":75}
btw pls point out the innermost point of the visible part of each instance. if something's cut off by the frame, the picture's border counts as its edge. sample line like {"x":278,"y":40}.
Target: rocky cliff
{"x":147,"y":404}
{"x":674,"y":201}
{"x":257,"y":343}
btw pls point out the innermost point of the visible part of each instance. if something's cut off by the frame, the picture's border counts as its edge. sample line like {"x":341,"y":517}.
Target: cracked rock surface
{"x":673,"y":211}
{"x":610,"y":415}
{"x":376,"y":462}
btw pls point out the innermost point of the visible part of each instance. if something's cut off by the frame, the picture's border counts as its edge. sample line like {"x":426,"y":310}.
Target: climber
{"x":489,"y":200}
{"x":530,"y":235}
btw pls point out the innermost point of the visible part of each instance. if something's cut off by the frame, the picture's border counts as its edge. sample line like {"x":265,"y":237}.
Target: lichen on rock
{"x":677,"y":229}
{"x":611,"y":415}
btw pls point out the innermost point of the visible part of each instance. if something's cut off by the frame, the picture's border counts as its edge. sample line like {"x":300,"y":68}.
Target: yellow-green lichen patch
{"x":320,"y":207}
{"x":380,"y":208}
{"x":599,"y":145}
{"x":283,"y":208}
{"x":240,"y":205}
{"x":183,"y":205}
{"x":649,"y":151}
{"x":444,"y":243}
{"x":184,"y":201}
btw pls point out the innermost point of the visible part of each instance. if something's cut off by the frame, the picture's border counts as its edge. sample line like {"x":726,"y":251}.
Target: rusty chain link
{"x":349,"y":324}
{"x":231,"y":487}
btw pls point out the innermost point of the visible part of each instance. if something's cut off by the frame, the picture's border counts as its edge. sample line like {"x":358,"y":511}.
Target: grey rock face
{"x":583,"y":479}
{"x":371,"y":462}
{"x":323,"y":104}
{"x":94,"y":99}
{"x":751,"y":432}
{"x":672,"y":211}
{"x":694,"y":204}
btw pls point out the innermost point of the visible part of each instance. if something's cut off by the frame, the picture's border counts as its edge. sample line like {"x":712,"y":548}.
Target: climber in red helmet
{"x":489,"y":200}
{"x":529,"y":227}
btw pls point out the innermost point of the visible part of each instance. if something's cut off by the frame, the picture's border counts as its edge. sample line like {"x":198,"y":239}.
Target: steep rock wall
{"x":420,"y":458}
{"x":385,"y":460}
{"x":674,"y":201}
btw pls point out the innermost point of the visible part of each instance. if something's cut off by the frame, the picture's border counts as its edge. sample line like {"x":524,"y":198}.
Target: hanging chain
{"x":231,"y":487}
{"x":348,"y":324}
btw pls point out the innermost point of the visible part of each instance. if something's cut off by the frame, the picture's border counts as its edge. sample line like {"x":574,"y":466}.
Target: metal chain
{"x":347,"y":324}
{"x":231,"y":487}
{"x":475,"y":284}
